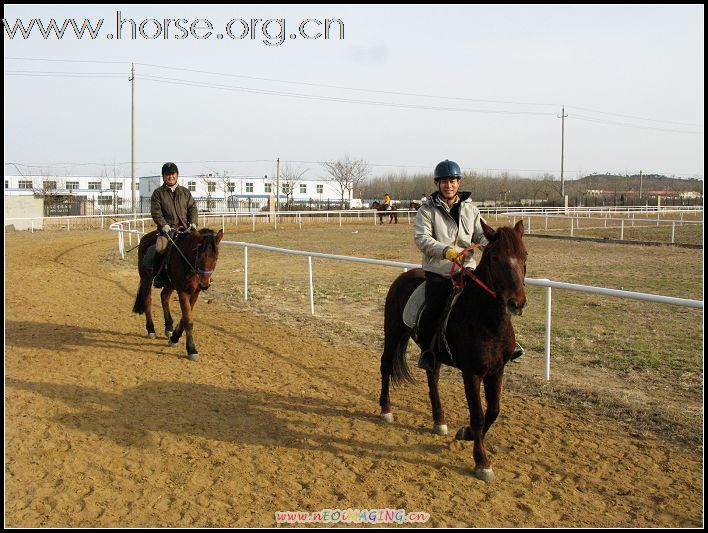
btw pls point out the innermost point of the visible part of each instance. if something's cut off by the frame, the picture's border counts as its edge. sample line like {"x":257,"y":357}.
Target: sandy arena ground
{"x":104,"y":427}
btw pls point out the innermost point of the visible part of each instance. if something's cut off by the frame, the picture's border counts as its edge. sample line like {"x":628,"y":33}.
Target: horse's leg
{"x":186,"y":324}
{"x":146,"y":290}
{"x":165,"y":295}
{"x":191,"y":348}
{"x":391,"y":340}
{"x":440,"y":426}
{"x":492,"y":392}
{"x":474,"y":402}
{"x":393,"y":358}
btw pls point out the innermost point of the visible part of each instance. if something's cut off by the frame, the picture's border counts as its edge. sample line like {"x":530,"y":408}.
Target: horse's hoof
{"x":464,"y":433}
{"x":151,"y":336}
{"x":170,"y":343}
{"x":387,"y":417}
{"x":440,"y":429}
{"x":193,"y":357}
{"x":168,"y":334}
{"x":485,"y":474}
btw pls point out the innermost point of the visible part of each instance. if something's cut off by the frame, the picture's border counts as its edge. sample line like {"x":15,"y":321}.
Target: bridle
{"x":193,"y":267}
{"x":466,"y":271}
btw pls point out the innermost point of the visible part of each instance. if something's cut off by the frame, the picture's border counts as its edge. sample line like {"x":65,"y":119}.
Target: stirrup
{"x":427,"y":360}
{"x":518,"y":352}
{"x":157,"y":282}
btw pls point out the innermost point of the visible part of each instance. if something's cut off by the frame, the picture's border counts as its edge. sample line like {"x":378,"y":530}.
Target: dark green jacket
{"x":175,"y":209}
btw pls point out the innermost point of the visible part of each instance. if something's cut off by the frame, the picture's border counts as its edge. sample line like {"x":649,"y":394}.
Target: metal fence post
{"x":245,"y":273}
{"x":622,"y":231}
{"x":548,"y":334}
{"x":312,"y":291}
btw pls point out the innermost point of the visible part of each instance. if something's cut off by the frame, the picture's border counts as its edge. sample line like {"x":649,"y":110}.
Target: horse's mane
{"x":209,"y":239}
{"x":510,"y":239}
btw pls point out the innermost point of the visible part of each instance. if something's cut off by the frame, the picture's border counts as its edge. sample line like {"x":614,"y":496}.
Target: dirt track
{"x":107,"y":428}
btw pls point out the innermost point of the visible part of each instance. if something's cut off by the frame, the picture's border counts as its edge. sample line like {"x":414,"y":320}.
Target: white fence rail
{"x":118,"y":227}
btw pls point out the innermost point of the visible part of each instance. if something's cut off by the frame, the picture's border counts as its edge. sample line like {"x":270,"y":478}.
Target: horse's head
{"x":375,"y":205}
{"x":207,"y":255}
{"x":504,"y":262}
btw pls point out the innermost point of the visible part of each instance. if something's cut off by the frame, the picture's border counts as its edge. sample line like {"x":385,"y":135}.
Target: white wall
{"x":24,"y":207}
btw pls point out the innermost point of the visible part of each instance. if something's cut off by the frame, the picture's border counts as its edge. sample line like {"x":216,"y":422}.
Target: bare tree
{"x":289,"y":178}
{"x":347,"y":174}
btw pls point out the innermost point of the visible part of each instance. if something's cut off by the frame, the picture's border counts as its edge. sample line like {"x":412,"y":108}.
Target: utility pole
{"x":277,"y":186}
{"x":562,"y":117}
{"x":132,"y":133}
{"x":640,"y":185}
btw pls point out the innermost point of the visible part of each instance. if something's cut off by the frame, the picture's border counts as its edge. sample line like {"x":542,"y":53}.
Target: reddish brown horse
{"x":479,"y":333}
{"x":386,"y":212}
{"x":189,"y":264}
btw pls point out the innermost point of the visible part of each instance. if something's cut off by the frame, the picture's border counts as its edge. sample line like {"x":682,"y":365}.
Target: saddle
{"x":412,"y":313}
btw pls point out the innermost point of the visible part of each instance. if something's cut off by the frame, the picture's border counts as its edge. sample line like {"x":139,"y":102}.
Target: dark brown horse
{"x":386,"y":212}
{"x":189,"y":264}
{"x":479,"y":333}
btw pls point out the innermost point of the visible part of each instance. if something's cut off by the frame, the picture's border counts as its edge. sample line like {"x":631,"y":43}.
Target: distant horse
{"x":414,"y":205}
{"x":386,"y":212}
{"x":479,"y":333}
{"x":189,"y":264}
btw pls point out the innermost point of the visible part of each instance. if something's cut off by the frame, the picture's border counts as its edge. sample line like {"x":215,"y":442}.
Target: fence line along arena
{"x":106,"y":427}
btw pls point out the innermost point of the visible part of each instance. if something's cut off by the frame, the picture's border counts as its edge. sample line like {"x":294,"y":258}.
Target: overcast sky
{"x":402,"y":88}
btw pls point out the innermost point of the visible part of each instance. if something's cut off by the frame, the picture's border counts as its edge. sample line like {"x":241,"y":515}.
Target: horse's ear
{"x":219,"y":236}
{"x":519,"y":227}
{"x":489,"y":232}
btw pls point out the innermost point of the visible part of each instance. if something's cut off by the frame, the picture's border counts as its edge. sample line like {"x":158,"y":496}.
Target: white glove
{"x":166,"y":229}
{"x":192,"y":227}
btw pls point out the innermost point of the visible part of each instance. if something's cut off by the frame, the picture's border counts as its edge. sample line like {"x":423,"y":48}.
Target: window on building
{"x":303,"y":188}
{"x":320,"y":189}
{"x":105,"y":200}
{"x":116,"y":186}
{"x":192,"y":185}
{"x":232,"y":186}
{"x":7,"y":184}
{"x":268,"y":187}
{"x":284,"y":189}
{"x":94,"y":185}
{"x":24,"y":184}
{"x":211,"y":186}
{"x":49,"y":185}
{"x":71,"y":185}
{"x":249,"y":187}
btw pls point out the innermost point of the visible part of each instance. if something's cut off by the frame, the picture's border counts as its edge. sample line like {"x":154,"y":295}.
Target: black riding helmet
{"x":447,"y":169}
{"x":169,"y":168}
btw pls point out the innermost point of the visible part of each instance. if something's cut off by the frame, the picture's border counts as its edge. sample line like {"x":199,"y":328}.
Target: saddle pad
{"x":414,"y":306}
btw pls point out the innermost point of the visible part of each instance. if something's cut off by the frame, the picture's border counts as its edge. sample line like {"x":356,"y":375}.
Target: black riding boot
{"x":158,"y":281}
{"x":518,"y":352}
{"x":437,"y":289}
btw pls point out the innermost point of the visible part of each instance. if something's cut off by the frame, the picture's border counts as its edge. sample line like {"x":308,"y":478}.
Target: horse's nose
{"x":516,"y":307}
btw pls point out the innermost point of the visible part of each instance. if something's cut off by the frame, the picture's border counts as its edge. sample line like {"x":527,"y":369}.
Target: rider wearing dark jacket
{"x":171,"y":206}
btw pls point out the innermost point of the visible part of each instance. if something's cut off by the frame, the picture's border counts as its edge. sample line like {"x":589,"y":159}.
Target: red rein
{"x":459,"y":262}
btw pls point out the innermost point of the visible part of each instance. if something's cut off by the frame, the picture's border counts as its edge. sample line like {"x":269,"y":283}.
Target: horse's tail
{"x":139,"y":305}
{"x":396,"y":333}
{"x":399,"y":371}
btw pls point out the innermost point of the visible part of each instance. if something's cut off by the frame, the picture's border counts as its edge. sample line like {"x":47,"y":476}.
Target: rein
{"x":194,"y":269}
{"x":465,"y":271}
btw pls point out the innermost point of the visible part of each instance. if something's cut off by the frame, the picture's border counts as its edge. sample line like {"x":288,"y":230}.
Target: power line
{"x":362,"y":89}
{"x":177,"y":81}
{"x":624,"y":124}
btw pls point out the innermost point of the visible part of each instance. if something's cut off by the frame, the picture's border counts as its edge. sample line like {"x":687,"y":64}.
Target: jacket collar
{"x":437,"y":199}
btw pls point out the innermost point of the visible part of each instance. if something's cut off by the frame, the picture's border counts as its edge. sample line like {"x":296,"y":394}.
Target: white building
{"x":212,"y":193}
